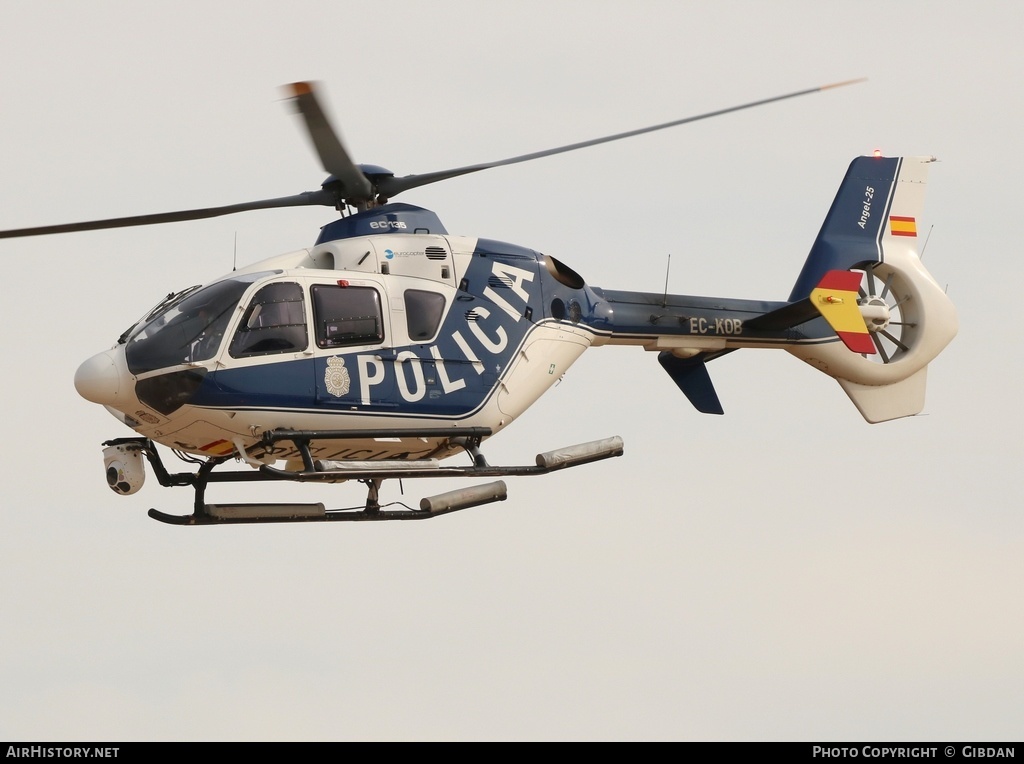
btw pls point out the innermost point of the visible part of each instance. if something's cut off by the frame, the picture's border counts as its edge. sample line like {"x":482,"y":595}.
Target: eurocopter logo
{"x":390,"y":254}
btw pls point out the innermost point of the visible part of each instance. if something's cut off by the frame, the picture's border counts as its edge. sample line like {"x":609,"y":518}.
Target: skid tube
{"x":370,"y":473}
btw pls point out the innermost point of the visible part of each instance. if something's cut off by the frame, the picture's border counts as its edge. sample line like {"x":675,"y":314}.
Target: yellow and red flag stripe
{"x":218,"y":448}
{"x":835,"y":297}
{"x":902,"y":226}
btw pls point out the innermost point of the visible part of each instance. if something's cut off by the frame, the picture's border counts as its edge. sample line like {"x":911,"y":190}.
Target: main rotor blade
{"x":307,"y":198}
{"x":389,"y":187}
{"x":328,"y":145}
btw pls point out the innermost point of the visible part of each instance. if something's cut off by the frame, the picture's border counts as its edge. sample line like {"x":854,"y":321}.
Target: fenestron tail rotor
{"x":364,"y":185}
{"x":888,"y":308}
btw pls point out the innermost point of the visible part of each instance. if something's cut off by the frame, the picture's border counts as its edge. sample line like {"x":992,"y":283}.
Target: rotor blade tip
{"x":843,"y":83}
{"x":301,"y":88}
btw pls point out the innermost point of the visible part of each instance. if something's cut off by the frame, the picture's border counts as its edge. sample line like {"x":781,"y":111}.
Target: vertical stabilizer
{"x":872,"y":230}
{"x":852,"y":230}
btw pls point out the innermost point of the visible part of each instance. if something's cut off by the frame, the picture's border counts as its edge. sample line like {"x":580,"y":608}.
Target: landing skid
{"x":370,"y":473}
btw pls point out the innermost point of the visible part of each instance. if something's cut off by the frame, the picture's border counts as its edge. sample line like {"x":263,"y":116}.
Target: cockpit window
{"x":188,"y":330}
{"x":347,"y":315}
{"x":423,"y":311}
{"x":274,"y":323}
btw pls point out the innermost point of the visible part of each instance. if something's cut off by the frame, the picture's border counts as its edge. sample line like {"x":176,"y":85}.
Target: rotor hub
{"x":876,"y":313}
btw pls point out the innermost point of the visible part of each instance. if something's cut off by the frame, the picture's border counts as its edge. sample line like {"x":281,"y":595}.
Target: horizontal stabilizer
{"x":691,"y":376}
{"x":835,"y":298}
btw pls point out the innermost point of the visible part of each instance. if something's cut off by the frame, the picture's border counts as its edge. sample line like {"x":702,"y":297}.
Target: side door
{"x":353,"y":366}
{"x":267,"y":362}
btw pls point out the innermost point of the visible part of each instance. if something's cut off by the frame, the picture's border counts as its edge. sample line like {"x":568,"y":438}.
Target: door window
{"x":347,"y":315}
{"x":275,"y":322}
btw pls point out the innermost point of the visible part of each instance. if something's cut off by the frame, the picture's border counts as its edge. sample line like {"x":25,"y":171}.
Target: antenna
{"x":668,"y":267}
{"x":926,"y":238}
{"x":234,"y":255}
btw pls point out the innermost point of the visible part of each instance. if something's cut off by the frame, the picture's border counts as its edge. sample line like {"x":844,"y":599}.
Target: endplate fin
{"x":691,"y":376}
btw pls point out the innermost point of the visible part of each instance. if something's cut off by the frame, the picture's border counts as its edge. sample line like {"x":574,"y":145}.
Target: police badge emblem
{"x":336,"y":377}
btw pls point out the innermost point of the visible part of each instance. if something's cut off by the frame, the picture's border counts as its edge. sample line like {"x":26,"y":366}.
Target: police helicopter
{"x":391,"y":344}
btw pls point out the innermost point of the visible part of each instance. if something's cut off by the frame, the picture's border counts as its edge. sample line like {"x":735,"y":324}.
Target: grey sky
{"x":786,"y":571}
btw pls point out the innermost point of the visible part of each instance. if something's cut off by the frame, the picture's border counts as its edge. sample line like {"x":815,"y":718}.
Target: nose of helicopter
{"x":99,"y":379}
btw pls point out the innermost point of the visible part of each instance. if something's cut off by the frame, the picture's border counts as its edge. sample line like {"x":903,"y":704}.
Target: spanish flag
{"x":901,"y":226}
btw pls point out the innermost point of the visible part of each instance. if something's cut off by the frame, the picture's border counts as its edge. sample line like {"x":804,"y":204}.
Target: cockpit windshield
{"x":187,"y":330}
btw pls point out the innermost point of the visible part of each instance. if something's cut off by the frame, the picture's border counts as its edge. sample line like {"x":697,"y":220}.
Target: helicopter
{"x":390,"y":344}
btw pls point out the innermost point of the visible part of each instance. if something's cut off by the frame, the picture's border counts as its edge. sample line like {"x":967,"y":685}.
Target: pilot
{"x":209,"y":331}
